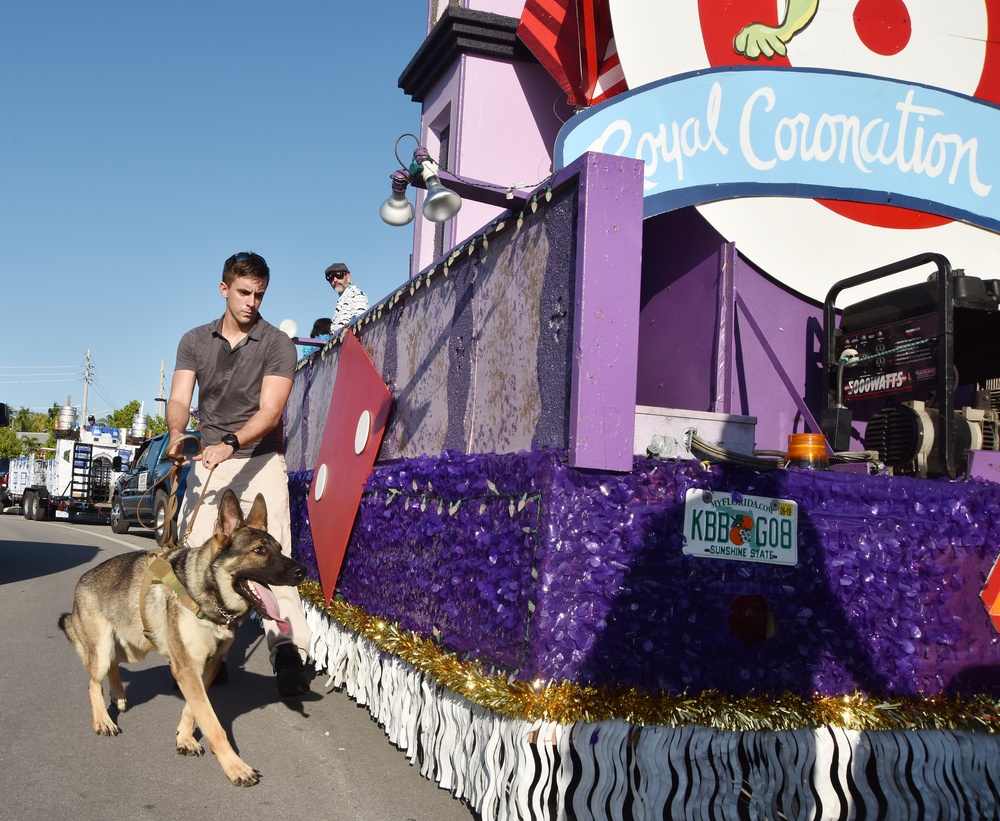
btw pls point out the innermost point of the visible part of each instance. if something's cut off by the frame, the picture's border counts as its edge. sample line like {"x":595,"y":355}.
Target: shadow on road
{"x":245,"y":692}
{"x":19,"y":562}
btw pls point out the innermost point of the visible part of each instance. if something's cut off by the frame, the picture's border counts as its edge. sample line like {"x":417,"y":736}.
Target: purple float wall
{"x":718,"y":336}
{"x":499,"y":521}
{"x":524,"y":339}
{"x":522,"y":563}
{"x":477,"y":359}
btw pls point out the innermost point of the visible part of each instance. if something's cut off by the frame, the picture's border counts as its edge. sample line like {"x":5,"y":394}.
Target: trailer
{"x":77,"y":481}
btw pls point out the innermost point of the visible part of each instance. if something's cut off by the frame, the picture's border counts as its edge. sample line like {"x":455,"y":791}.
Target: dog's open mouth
{"x":263,"y":601}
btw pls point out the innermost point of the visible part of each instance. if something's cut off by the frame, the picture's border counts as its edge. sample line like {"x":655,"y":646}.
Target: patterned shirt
{"x":351,"y":304}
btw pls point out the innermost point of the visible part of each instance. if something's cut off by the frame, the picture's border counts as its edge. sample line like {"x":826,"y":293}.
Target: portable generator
{"x":918,"y":365}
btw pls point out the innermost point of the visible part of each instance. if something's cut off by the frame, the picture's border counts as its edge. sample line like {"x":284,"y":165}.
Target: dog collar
{"x":229,"y":617}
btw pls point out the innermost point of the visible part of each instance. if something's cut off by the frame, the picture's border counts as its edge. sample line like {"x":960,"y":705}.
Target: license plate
{"x":62,"y":514}
{"x":720,"y":525}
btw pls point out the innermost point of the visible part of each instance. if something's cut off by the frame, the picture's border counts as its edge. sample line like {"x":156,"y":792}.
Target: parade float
{"x":667,"y":487}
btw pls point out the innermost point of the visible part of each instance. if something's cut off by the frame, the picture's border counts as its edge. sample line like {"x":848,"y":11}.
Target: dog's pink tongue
{"x":271,"y":606}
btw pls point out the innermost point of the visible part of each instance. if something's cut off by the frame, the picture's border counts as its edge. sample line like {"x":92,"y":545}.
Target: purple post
{"x":606,"y":332}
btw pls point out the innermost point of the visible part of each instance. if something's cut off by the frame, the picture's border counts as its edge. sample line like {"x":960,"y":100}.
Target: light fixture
{"x":443,"y":203}
{"x":397,"y":210}
{"x":440,"y":204}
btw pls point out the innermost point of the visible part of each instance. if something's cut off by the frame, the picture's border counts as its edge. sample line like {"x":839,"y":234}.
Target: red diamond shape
{"x":991,"y":595}
{"x":355,"y":423}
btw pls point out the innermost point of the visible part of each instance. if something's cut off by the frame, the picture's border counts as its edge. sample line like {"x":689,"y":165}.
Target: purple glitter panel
{"x":527,"y":565}
{"x":445,"y":547}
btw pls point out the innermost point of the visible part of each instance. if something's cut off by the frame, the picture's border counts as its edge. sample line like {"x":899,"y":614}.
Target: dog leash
{"x":172,"y":479}
{"x":172,"y":505}
{"x":197,"y":506}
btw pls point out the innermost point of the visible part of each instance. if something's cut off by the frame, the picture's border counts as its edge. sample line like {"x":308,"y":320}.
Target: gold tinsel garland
{"x":567,"y":703}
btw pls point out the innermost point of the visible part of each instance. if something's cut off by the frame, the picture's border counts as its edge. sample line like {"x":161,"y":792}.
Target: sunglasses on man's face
{"x":338,"y":275}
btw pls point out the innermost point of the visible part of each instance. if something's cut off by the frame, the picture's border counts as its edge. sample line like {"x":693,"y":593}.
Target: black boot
{"x":291,"y":673}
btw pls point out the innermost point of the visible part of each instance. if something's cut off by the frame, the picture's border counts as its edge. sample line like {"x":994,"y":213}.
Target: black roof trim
{"x":461,"y":31}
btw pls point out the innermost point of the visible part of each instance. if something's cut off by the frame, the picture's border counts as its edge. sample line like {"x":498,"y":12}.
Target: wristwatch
{"x":231,"y":440}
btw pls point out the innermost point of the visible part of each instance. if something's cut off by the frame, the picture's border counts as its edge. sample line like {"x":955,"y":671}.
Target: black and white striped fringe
{"x":508,"y":768}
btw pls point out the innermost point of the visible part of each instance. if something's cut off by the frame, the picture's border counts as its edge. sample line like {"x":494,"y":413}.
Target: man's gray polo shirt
{"x":229,"y":379}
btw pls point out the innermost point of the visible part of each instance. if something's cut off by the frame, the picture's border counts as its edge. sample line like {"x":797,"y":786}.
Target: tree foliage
{"x":26,"y":420}
{"x":122,"y":418}
{"x":13,"y":445}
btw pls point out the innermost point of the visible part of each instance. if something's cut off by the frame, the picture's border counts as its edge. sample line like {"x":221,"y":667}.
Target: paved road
{"x":322,"y":757}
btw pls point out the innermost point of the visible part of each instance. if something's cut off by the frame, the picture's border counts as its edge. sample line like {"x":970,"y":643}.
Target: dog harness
{"x":160,"y":571}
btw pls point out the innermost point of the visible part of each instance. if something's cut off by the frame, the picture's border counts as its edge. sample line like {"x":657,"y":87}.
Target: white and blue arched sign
{"x":745,"y":132}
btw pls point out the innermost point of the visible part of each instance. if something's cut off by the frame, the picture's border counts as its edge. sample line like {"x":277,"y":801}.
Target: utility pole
{"x":86,"y":388}
{"x":161,"y":399}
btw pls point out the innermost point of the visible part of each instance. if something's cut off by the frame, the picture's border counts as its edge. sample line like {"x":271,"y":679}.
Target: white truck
{"x":78,"y":480}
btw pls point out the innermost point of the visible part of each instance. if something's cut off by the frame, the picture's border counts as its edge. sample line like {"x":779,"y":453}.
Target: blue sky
{"x":141,"y":144}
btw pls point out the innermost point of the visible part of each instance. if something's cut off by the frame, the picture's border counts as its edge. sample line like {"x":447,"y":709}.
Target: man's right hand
{"x":175,"y":451}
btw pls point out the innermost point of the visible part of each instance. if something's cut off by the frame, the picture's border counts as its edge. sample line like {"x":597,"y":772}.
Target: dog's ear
{"x":258,"y":514}
{"x":230,"y":515}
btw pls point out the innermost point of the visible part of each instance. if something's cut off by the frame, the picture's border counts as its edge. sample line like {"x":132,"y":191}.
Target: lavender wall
{"x":503,"y":117}
{"x":678,"y":315}
{"x":712,"y":329}
{"x":773,"y":325}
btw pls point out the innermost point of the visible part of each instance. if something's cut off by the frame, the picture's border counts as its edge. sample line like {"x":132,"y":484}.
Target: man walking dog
{"x":243,"y":368}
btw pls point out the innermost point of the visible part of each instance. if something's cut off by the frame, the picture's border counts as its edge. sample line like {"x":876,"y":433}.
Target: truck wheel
{"x":41,"y":507}
{"x":119,"y":524}
{"x":28,"y":501}
{"x":164,"y":528}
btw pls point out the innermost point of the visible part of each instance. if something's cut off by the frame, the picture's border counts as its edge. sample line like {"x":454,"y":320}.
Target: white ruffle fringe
{"x":512,"y":769}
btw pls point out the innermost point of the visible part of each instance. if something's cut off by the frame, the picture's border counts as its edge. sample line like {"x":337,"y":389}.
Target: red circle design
{"x":883,"y":25}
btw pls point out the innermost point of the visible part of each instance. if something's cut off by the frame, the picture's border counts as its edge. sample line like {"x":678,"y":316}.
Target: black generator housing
{"x":899,"y":360}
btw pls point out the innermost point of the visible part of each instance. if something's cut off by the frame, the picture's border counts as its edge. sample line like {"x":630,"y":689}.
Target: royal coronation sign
{"x":808,"y":133}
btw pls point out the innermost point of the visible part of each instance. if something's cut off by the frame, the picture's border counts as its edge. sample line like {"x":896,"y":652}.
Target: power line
{"x":32,"y":367}
{"x":32,"y":381}
{"x":38,"y":374}
{"x":90,"y":373}
{"x":99,"y":390}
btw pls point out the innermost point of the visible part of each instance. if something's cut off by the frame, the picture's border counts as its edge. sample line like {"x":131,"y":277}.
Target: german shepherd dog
{"x":225,"y":579}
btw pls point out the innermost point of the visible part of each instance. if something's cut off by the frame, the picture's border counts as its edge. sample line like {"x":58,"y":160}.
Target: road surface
{"x":321,"y":757}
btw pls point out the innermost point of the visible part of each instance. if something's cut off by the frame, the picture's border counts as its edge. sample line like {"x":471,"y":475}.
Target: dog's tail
{"x":66,"y":625}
